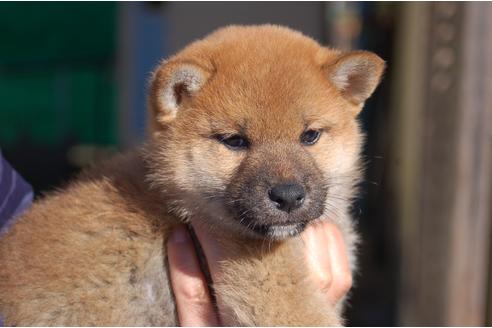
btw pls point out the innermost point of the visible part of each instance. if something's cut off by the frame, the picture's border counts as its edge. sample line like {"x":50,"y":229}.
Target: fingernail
{"x":180,"y":235}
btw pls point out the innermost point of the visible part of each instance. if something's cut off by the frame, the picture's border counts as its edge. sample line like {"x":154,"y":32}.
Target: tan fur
{"x":93,"y":253}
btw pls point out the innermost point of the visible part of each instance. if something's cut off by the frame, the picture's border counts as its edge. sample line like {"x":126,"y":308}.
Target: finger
{"x":190,"y":289}
{"x":340,"y":267}
{"x":211,"y":247}
{"x":316,"y":254}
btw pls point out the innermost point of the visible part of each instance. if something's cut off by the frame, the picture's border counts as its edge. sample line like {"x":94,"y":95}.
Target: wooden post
{"x":445,"y":185}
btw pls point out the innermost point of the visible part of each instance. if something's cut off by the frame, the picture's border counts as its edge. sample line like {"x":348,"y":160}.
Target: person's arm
{"x":15,"y":195}
{"x":325,"y":253}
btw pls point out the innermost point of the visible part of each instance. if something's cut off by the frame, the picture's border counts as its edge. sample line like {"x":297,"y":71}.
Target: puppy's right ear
{"x":173,"y":84}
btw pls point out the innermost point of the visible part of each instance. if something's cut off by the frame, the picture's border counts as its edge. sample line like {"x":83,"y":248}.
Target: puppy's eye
{"x":234,"y":142}
{"x":310,"y":137}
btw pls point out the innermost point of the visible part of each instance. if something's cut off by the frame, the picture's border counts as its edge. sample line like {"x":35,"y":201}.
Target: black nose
{"x":287,"y":197}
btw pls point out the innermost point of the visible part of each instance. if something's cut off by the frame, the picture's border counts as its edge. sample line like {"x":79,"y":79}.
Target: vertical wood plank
{"x":408,"y":106}
{"x":468,"y":267}
{"x":445,"y":188}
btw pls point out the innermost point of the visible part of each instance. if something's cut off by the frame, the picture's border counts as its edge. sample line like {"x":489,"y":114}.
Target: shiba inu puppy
{"x":253,"y":135}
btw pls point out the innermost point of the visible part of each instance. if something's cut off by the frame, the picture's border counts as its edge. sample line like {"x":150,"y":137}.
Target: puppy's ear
{"x":355,"y":74}
{"x":172,"y":85}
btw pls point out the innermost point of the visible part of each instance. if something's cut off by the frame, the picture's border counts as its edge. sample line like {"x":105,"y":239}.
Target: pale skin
{"x":324,"y":252}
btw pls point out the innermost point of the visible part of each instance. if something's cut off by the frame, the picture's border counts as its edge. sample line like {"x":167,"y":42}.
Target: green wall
{"x":57,"y":73}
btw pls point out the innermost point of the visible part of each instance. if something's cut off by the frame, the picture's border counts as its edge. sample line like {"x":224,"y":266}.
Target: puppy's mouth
{"x":279,"y":231}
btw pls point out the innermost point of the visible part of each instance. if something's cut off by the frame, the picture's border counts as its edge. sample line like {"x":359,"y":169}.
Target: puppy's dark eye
{"x":234,"y":142}
{"x":310,"y":137}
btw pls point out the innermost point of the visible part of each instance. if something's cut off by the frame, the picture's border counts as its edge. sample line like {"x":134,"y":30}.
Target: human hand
{"x":324,"y":250}
{"x":191,"y":293}
{"x":327,"y":259}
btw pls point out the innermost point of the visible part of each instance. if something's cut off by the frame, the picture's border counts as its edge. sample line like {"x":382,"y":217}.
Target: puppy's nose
{"x":287,"y":197}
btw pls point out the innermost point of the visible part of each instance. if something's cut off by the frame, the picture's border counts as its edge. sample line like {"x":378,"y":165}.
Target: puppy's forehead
{"x":266,"y":86}
{"x":271,"y":60}
{"x":268,"y":81}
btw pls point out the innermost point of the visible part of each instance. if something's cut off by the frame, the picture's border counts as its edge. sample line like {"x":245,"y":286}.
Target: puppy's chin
{"x":280,"y":231}
{"x":273,"y":231}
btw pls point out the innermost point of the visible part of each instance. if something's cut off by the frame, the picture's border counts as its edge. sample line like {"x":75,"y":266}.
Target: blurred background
{"x":72,"y":91}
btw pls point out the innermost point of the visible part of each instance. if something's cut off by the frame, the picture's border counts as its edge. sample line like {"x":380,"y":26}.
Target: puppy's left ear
{"x":356,"y":75}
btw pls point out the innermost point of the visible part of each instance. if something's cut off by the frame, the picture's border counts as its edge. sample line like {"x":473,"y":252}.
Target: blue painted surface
{"x":149,"y":48}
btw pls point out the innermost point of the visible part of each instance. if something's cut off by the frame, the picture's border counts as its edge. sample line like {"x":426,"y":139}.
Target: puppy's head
{"x":254,"y":128}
